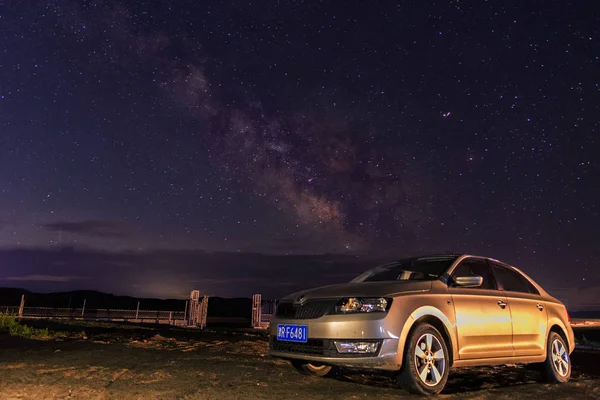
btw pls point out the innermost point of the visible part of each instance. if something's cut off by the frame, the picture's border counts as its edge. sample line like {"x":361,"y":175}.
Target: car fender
{"x":555,"y":319}
{"x":421,"y":313}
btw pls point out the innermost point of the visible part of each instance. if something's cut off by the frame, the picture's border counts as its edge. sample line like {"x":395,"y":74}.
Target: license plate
{"x":292,"y":333}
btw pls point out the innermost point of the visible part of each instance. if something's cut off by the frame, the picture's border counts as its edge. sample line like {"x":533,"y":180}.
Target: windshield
{"x":413,"y":269}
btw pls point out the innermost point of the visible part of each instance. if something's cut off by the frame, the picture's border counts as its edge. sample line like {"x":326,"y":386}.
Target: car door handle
{"x":501,"y":304}
{"x":539,"y":306}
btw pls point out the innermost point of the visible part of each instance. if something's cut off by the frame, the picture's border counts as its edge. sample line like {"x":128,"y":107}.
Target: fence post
{"x":137,"y":310}
{"x":83,"y":308}
{"x":185,"y":311}
{"x":204,"y":315}
{"x":256,"y":310}
{"x":193,"y":318}
{"x":22,"y":305}
{"x":170,"y":317}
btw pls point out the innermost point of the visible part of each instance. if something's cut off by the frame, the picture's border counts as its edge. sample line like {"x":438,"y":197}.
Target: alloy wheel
{"x":560,"y":357}
{"x":430,"y":359}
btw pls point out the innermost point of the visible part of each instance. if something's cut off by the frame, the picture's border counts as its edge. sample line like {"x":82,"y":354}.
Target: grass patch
{"x":9,"y":324}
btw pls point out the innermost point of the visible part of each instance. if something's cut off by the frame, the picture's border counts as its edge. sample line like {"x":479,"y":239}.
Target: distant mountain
{"x":217,"y":306}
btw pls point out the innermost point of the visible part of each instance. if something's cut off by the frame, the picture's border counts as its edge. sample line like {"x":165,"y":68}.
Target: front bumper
{"x":322,"y":332}
{"x":385,"y":358}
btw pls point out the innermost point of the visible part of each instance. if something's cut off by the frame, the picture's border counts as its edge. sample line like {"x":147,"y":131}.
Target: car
{"x":421,"y":316}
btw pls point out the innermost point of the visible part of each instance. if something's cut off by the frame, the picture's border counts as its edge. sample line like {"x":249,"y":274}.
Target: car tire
{"x":557,"y":367}
{"x":425,"y":354}
{"x":312,"y":369}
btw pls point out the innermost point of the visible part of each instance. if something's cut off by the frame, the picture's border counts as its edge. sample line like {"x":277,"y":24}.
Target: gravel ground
{"x":112,"y":361}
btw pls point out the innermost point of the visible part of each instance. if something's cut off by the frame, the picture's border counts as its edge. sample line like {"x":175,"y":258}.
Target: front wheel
{"x":426,"y":364}
{"x":312,"y":369}
{"x":557,"y":367}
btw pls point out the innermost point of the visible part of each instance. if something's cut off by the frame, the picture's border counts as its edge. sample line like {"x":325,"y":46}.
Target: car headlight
{"x":351,"y":305}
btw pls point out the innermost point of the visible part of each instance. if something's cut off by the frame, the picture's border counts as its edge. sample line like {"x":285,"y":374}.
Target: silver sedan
{"x":420,"y":317}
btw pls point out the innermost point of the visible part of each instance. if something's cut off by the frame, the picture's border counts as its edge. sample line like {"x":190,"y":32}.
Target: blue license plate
{"x":292,"y":333}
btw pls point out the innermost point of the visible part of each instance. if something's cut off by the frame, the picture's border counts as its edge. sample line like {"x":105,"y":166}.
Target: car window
{"x":476,"y":267}
{"x":411,"y":269}
{"x":512,"y":281}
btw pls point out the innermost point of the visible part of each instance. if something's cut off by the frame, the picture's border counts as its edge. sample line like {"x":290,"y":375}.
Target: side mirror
{"x":468,"y":281}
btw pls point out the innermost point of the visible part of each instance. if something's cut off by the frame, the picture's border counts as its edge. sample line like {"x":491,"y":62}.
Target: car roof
{"x":428,"y":256}
{"x":449,"y":255}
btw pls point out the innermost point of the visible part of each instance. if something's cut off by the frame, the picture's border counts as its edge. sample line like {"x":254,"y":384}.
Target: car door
{"x":483,"y":322}
{"x":528,"y":312}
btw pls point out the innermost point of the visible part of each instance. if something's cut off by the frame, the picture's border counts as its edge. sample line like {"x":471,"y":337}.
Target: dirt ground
{"x":115,"y":361}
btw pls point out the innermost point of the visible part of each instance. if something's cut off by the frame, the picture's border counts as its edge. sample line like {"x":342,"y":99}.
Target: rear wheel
{"x":312,"y":369}
{"x":557,"y":367}
{"x":426,"y":364}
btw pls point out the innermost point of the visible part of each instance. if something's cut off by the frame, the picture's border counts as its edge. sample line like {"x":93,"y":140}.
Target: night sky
{"x":149,"y":148}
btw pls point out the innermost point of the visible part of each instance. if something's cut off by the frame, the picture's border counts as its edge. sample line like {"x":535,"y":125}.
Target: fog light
{"x":356,"y":347}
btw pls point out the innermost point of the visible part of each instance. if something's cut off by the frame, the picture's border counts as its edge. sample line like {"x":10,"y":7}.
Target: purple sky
{"x":258,"y":147}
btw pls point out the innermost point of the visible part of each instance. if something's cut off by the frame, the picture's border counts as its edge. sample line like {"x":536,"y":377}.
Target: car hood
{"x":362,"y":289}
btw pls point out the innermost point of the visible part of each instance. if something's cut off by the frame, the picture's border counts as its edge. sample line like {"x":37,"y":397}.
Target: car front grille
{"x":310,"y":310}
{"x":316,"y":347}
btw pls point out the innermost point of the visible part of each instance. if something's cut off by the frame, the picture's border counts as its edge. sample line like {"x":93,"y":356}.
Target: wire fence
{"x":262,"y":311}
{"x":155,"y":316}
{"x":194,"y":314}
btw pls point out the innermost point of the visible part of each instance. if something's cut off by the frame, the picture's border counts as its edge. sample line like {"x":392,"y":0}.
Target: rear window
{"x":512,"y":281}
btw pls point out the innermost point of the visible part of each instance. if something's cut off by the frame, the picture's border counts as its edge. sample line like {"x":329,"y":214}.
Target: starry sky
{"x":149,"y":148}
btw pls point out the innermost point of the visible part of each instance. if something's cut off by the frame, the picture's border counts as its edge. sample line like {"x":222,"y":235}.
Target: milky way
{"x":296,"y":128}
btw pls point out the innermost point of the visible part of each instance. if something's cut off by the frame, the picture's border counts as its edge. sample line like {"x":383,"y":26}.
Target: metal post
{"x":83,"y":308}
{"x":22,"y":305}
{"x":137,"y":310}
